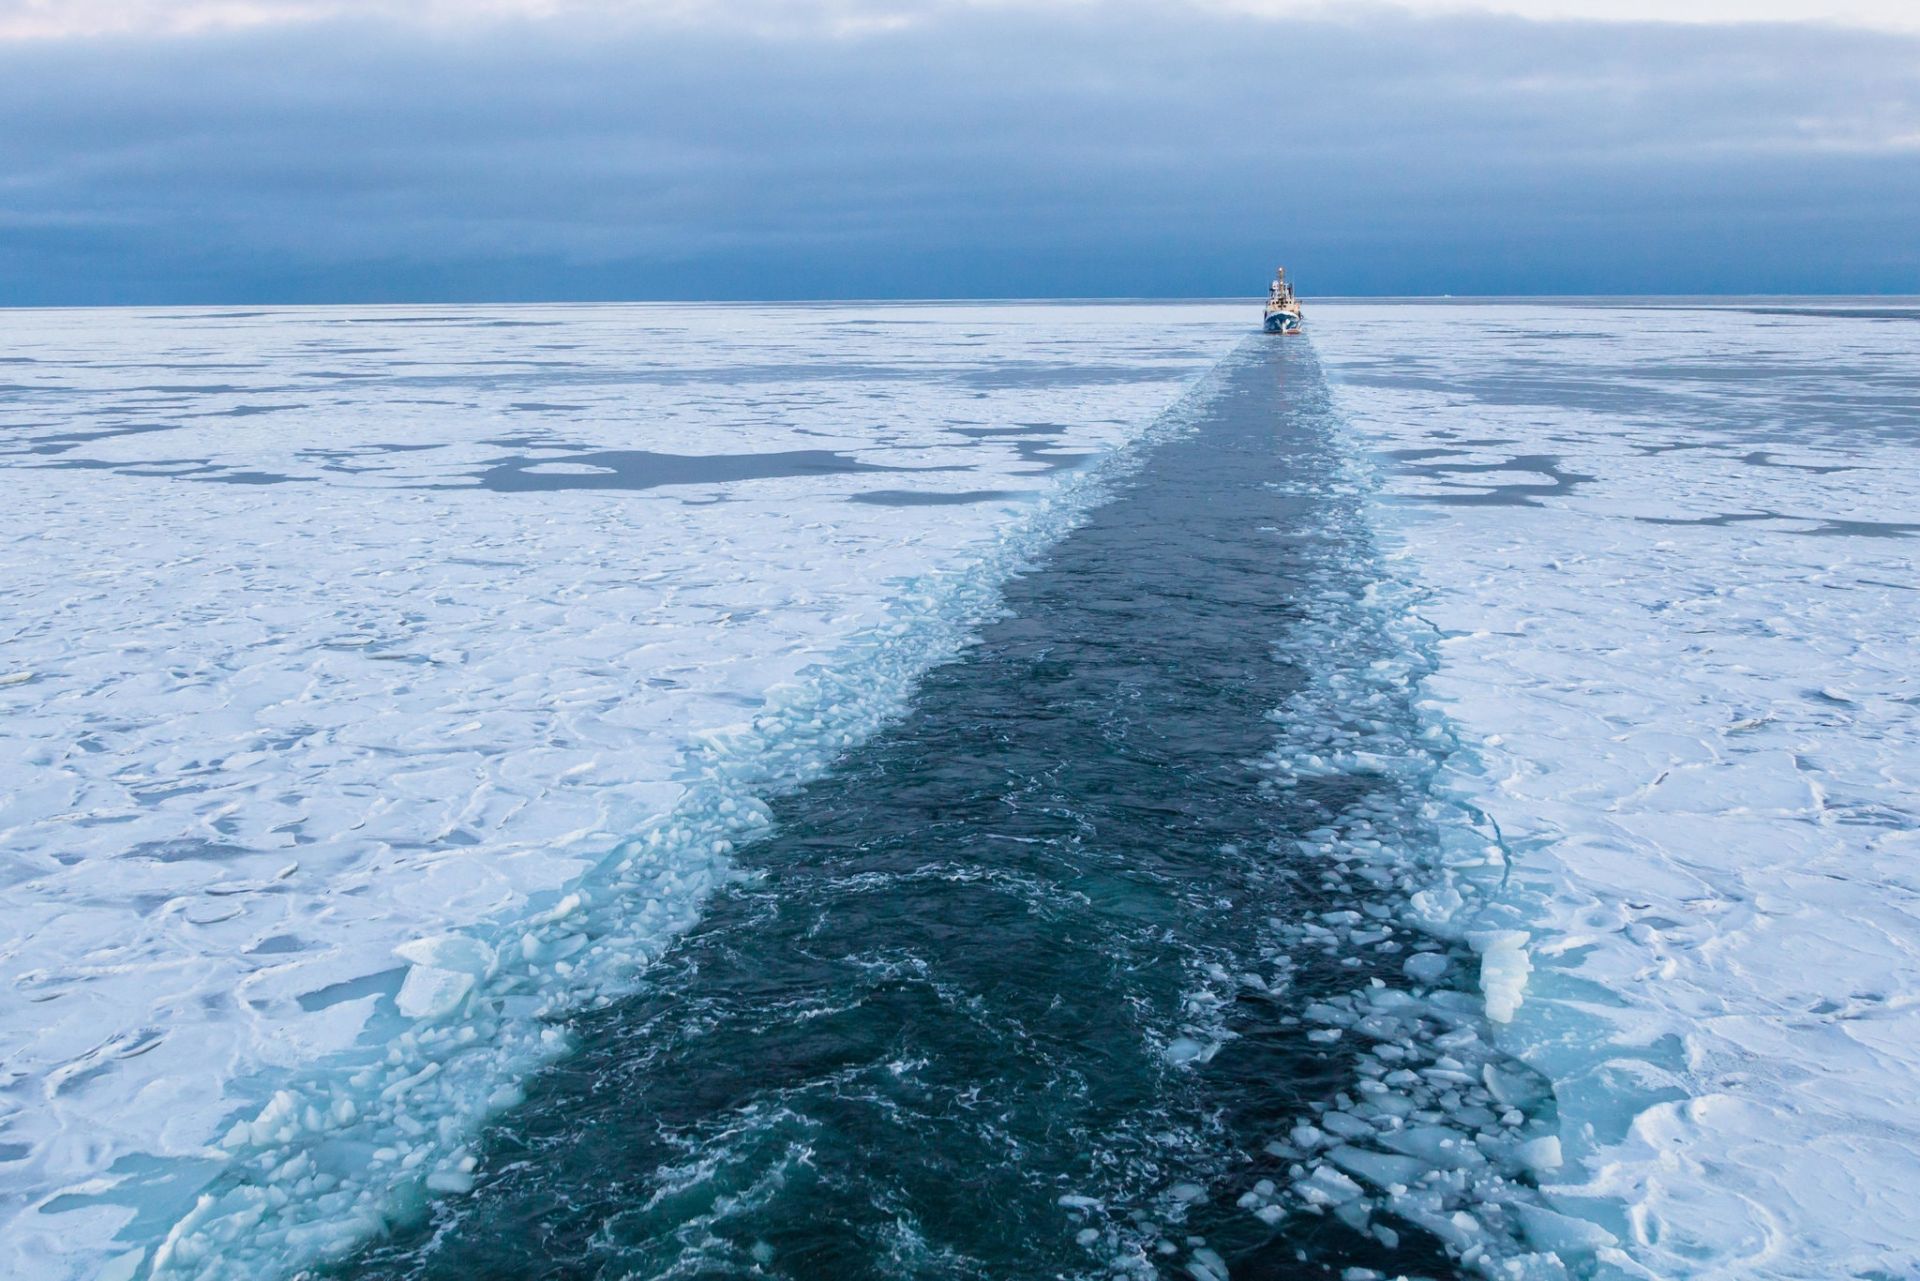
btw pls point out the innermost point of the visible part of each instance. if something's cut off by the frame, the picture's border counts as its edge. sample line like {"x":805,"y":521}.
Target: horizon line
{"x":931,"y":300}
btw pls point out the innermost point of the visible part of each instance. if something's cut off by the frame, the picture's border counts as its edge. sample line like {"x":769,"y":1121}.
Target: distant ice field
{"x":1668,"y":554}
{"x":332,"y":634}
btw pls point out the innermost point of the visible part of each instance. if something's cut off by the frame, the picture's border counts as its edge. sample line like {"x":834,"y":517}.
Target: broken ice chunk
{"x":1439,"y":1146}
{"x":1185,"y":1050}
{"x":1503,"y":970}
{"x":449,"y":952}
{"x":1559,"y":1234}
{"x":1379,"y":1168}
{"x":431,"y":993}
{"x":1327,"y":1186}
{"x":456,"y":1182}
{"x":1540,"y":1155}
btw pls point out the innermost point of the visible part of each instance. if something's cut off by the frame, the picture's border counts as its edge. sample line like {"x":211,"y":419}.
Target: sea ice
{"x":1665,"y":552}
{"x":377,"y":680}
{"x":1436,"y":1126}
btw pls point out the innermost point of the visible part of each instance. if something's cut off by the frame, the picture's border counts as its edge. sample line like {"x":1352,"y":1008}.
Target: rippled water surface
{"x":1004,"y":994}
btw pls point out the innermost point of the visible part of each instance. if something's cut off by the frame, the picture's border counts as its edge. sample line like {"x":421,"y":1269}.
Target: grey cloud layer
{"x":983,"y":153}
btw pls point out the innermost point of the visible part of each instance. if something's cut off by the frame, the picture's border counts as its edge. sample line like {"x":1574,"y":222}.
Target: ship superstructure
{"x":1283,"y":308}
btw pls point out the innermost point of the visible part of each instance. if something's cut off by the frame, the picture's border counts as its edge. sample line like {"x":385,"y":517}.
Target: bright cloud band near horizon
{"x":58,"y":19}
{"x":324,"y":151}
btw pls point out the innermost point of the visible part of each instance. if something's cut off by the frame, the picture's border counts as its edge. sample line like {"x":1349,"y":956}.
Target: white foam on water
{"x":1666,"y":556}
{"x":346,"y":774}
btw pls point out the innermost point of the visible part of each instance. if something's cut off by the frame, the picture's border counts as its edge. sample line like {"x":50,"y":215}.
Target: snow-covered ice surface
{"x":373,"y":681}
{"x":1668,"y":556}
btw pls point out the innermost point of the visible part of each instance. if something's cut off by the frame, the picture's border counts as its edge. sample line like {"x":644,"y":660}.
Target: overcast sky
{"x":219,"y":151}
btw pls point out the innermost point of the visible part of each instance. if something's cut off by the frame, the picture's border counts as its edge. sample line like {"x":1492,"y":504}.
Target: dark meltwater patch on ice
{"x":247,"y":411}
{"x":1025,"y":440}
{"x":1463,"y":491}
{"x":1783,"y":397}
{"x":1788,"y":523}
{"x":1766,"y":458}
{"x":934,"y":498}
{"x":1016,"y":374}
{"x":180,"y":850}
{"x":253,"y":478}
{"x":1837,"y":313}
{"x":643,"y":469}
{"x":1010,"y":992}
{"x":384,"y":983}
{"x":165,"y":468}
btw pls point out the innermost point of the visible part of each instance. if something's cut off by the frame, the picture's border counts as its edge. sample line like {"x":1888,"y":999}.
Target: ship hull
{"x":1283,"y":322}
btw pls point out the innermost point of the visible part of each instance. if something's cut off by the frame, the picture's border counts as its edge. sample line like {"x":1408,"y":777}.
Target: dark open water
{"x":1015,"y":991}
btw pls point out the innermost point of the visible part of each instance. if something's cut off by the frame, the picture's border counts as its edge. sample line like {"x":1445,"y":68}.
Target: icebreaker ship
{"x":1283,"y":308}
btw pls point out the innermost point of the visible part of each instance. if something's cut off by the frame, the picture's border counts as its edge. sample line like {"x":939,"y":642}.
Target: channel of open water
{"x":1016,"y":990}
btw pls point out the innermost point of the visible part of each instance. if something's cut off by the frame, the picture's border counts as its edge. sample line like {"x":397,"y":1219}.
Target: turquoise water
{"x":1017,"y":989}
